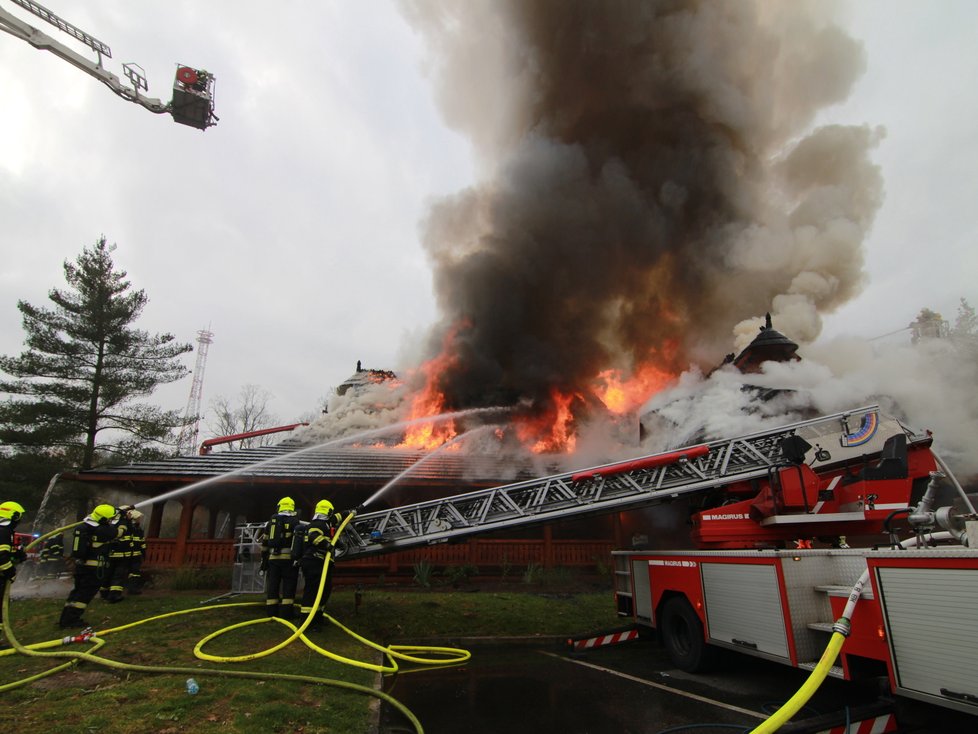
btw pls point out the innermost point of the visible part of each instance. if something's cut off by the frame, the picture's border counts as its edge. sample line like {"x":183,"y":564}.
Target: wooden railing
{"x":481,"y":554}
{"x":160,"y":553}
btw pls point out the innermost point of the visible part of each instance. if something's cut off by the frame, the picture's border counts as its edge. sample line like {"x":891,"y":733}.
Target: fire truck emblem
{"x":866,"y":431}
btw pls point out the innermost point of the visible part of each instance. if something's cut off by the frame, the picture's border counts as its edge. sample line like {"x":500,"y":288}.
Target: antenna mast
{"x":189,"y":434}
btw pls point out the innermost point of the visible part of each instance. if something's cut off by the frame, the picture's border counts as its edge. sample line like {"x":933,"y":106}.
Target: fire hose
{"x":445,"y":656}
{"x":840,"y":631}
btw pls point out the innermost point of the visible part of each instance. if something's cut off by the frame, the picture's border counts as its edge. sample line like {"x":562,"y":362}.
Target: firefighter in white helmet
{"x":317,"y":541}
{"x":281,"y":572}
{"x":137,"y":551}
{"x":116,"y":571}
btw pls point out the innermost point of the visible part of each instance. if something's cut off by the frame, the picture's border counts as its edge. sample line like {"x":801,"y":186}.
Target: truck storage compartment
{"x":743,"y":607}
{"x":932,"y":626}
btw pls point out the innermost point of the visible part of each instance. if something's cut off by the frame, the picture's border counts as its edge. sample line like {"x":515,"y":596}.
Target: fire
{"x":621,"y":396}
{"x":552,"y":432}
{"x":430,"y":402}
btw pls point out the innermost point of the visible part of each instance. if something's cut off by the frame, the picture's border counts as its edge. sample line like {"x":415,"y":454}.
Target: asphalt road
{"x":630,"y":688}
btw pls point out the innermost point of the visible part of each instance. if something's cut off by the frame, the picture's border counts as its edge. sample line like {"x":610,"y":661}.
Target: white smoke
{"x":928,"y":386}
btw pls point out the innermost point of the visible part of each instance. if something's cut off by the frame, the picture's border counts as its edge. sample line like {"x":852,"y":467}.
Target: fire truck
{"x":772,"y":516}
{"x":758,"y":585}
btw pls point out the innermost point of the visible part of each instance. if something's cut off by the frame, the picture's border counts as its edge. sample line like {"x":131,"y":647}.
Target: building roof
{"x":289,"y":463}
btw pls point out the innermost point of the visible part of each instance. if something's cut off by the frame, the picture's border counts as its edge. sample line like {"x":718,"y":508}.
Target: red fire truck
{"x":759,"y":583}
{"x":773,"y":575}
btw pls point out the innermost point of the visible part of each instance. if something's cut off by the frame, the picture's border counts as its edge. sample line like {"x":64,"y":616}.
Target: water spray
{"x":315,"y":447}
{"x":376,"y":495}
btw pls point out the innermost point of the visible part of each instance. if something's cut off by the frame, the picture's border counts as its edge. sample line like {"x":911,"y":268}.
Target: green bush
{"x":192,"y":579}
{"x":533,"y":573}
{"x":423,"y":571}
{"x":457,"y":575}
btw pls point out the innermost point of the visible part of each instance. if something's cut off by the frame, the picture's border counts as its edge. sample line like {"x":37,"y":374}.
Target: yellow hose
{"x":57,"y":531}
{"x":793,"y":705}
{"x":392,"y":652}
{"x":841,"y":632}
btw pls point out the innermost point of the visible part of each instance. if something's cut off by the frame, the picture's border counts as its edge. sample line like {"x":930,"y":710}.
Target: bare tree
{"x":248,"y":412}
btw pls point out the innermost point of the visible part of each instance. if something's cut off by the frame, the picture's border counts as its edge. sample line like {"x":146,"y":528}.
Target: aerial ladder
{"x":821,"y":476}
{"x":193,"y":89}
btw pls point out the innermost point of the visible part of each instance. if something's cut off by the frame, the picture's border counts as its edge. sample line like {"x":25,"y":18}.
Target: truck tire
{"x":682,"y":636}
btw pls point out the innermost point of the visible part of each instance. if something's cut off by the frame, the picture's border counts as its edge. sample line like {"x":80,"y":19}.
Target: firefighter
{"x":89,"y":548}
{"x":137,"y":551}
{"x":52,"y":557}
{"x":10,"y":552}
{"x":316,"y":543}
{"x":281,"y":572}
{"x":117,"y":567}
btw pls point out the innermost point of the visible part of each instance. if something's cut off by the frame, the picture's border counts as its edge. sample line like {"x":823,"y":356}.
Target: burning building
{"x":650,"y":180}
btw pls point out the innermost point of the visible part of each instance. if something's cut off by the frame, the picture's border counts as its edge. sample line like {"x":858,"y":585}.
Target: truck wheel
{"x":682,"y":635}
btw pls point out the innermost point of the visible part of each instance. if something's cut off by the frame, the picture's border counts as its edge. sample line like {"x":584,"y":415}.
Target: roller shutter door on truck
{"x":743,"y":607}
{"x":932,"y":619}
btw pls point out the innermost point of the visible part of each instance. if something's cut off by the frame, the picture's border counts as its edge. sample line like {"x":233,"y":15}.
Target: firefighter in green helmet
{"x":281,"y":572}
{"x":89,"y":547}
{"x":316,"y":543}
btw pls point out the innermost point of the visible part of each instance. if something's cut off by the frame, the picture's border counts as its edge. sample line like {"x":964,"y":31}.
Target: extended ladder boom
{"x":192,"y":90}
{"x":612,"y":487}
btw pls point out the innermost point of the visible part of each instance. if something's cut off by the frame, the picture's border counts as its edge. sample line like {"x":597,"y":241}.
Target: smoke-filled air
{"x":651,"y":183}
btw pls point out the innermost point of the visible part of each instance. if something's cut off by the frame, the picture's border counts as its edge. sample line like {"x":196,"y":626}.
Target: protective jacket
{"x":282,"y":575}
{"x":278,"y":536}
{"x":89,"y":547}
{"x":91,"y":542}
{"x":317,"y":543}
{"x":7,"y":558}
{"x":319,"y":536}
{"x":53,"y":550}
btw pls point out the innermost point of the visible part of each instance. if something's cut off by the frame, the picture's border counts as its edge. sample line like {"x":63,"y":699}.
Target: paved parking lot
{"x":624,"y":689}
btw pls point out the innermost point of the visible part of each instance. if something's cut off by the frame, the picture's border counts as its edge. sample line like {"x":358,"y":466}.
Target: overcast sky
{"x":291,"y":229}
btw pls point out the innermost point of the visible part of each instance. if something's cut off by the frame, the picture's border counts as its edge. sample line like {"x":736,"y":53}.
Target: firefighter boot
{"x":288,"y":612}
{"x":70,"y":617}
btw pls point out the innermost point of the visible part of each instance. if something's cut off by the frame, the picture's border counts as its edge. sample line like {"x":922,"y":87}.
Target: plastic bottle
{"x":192,"y":686}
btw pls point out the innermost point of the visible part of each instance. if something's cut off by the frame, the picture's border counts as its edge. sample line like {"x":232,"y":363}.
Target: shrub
{"x":532,"y":573}
{"x":187,"y":579}
{"x":422,"y":573}
{"x":456,"y":575}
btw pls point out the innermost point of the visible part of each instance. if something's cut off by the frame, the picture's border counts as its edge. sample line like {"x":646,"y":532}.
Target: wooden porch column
{"x":548,"y":547}
{"x":618,"y":540}
{"x":187,"y":506}
{"x":155,"y":520}
{"x":211,"y":522}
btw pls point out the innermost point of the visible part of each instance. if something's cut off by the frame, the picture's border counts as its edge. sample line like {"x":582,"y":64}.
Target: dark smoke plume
{"x":650,"y":184}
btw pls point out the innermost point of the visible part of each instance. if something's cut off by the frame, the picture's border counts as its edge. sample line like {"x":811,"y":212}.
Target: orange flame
{"x":430,"y":402}
{"x":552,"y":432}
{"x":622,"y":396}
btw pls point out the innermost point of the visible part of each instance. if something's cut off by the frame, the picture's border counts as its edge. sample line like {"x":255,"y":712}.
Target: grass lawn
{"x":92,"y":697}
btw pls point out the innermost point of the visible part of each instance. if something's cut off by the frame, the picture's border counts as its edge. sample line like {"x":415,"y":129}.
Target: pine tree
{"x":85,"y":367}
{"x":966,"y":323}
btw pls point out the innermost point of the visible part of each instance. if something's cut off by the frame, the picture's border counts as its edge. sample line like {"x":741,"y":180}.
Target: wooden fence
{"x":485,"y":555}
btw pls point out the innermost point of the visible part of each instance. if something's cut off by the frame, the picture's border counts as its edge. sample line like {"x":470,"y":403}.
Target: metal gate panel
{"x":245,"y":576}
{"x":643,"y":590}
{"x":932,"y":620}
{"x":743,"y":607}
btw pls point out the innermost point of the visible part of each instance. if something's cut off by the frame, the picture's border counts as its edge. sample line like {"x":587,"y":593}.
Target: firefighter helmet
{"x":324,"y":507}
{"x":103,"y":512}
{"x":12,"y":511}
{"x":286,"y":504}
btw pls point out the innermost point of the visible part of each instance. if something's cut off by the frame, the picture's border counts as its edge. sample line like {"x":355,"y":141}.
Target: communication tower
{"x":187,"y":443}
